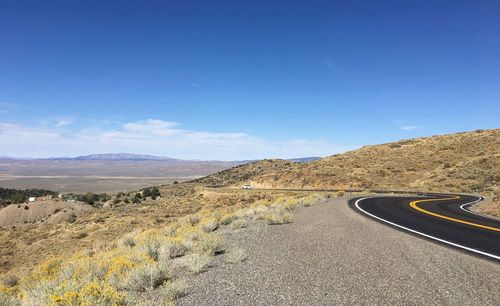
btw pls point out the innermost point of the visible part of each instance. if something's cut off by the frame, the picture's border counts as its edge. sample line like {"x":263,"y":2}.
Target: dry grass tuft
{"x":147,"y":277}
{"x":209,"y":225}
{"x":239,"y":223}
{"x":236,"y":255}
{"x":173,"y":248}
{"x":163,"y":295}
{"x":227,"y":218}
{"x":278,"y":218}
{"x":211,"y":245}
{"x":8,"y":300}
{"x":196,"y":262}
{"x":10,"y":281}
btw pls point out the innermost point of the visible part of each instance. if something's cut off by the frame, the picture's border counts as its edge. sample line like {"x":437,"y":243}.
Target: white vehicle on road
{"x":246,"y":187}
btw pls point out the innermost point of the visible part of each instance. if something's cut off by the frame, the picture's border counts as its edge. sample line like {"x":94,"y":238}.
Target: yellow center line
{"x":414,"y":205}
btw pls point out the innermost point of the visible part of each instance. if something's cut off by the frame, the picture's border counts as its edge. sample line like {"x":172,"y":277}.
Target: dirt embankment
{"x":47,"y":212}
{"x":489,"y":207}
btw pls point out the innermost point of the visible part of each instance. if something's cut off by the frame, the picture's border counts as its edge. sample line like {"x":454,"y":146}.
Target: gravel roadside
{"x":331,"y":254}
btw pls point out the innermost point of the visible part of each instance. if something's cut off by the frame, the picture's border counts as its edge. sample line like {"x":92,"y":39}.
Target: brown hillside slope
{"x":463,"y":162}
{"x":245,"y":172}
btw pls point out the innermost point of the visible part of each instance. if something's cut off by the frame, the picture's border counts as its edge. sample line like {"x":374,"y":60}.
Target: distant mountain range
{"x":118,"y":156}
{"x":135,"y":157}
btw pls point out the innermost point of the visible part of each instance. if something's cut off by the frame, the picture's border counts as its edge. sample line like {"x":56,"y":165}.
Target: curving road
{"x":439,"y":217}
{"x":333,"y":255}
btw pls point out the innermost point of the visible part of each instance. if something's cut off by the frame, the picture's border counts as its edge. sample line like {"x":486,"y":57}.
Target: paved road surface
{"x":332,"y":254}
{"x":440,"y":217}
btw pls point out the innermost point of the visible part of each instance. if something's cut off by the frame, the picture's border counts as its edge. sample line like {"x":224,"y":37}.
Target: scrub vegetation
{"x":30,"y":236}
{"x":145,"y":266}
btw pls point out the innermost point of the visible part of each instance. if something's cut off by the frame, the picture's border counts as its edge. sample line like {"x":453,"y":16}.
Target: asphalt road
{"x":440,"y":218}
{"x":332,"y":255}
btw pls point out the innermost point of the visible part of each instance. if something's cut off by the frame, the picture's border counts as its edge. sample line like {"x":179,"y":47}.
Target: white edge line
{"x":463,"y":207}
{"x":422,"y":234}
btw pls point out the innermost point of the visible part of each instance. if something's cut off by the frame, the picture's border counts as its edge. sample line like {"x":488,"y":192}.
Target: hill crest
{"x":462,"y":162}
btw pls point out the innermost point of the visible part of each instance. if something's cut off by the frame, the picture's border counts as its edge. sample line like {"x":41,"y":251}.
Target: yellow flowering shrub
{"x":114,"y":275}
{"x":92,"y":293}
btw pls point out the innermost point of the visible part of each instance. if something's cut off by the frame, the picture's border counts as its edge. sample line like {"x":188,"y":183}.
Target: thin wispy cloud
{"x":62,"y":122}
{"x":330,"y":64}
{"x":403,"y":125}
{"x":152,"y":136}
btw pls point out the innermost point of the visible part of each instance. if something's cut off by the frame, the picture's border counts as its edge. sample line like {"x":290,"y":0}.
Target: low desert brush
{"x":196,"y":262}
{"x":235,"y":255}
{"x":211,"y":245}
{"x":173,"y":248}
{"x":8,"y":300}
{"x":138,"y":269}
{"x":73,"y":292}
{"x":274,"y":218}
{"x":239,"y":223}
{"x":128,"y":242}
{"x":147,"y":277}
{"x":209,"y":225}
{"x":10,"y":281}
{"x":290,"y":204}
{"x":189,"y":220}
{"x":161,"y":296}
{"x":227,"y":218}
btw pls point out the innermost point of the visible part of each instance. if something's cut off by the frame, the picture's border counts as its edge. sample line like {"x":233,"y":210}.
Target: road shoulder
{"x":331,"y":254}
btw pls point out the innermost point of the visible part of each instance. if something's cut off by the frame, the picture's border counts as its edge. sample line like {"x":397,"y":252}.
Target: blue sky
{"x":242,"y":79}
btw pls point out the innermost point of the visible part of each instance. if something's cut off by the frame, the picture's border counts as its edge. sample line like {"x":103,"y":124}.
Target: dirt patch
{"x":489,"y":207}
{"x":48,"y":212}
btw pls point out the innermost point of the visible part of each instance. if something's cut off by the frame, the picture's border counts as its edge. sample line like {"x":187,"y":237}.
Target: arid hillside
{"x":46,"y":230}
{"x":246,"y":172}
{"x":463,"y":162}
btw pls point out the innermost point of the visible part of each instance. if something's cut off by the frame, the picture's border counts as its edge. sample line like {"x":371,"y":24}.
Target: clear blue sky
{"x":242,"y":79}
